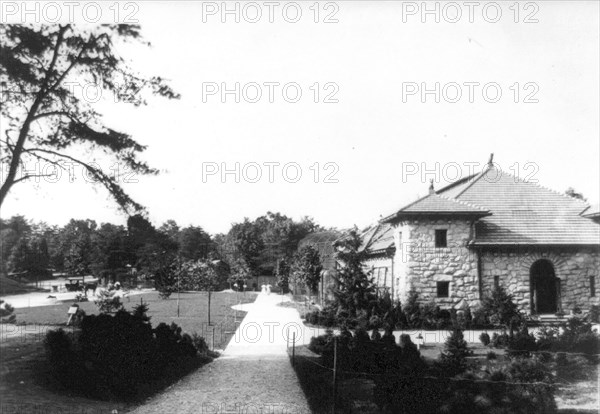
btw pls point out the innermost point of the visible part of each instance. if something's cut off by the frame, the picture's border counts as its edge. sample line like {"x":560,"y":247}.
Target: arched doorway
{"x":545,"y":287}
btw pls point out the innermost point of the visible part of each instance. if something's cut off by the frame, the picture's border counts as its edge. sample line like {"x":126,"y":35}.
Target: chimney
{"x":431,"y":189}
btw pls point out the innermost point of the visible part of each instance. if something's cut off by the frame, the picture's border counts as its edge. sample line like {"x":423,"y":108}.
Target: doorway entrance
{"x":545,"y":287}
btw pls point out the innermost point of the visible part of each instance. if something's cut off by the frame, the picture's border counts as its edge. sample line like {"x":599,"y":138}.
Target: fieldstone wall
{"x":419,"y":264}
{"x":424,"y":265}
{"x":572,"y":265}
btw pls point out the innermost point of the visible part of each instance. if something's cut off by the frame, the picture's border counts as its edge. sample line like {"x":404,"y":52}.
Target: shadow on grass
{"x":44,"y":378}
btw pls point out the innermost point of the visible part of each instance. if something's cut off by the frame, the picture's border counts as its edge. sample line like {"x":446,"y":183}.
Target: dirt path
{"x":253,"y":375}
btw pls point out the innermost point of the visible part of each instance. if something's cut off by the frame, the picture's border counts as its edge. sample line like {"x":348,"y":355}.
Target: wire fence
{"x":293,"y":355}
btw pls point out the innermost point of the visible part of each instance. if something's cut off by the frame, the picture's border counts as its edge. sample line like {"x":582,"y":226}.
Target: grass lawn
{"x":12,"y":287}
{"x":22,"y":349}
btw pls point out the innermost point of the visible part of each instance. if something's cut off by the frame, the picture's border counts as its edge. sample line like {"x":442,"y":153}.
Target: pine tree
{"x":501,"y":309}
{"x":454,"y":356}
{"x":355,"y":289}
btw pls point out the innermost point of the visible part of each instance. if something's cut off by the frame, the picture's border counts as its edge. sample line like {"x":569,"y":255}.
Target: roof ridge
{"x":477,"y":178}
{"x":456,"y":183}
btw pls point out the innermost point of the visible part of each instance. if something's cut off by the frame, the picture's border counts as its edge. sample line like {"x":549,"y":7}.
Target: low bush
{"x":522,"y":344}
{"x":484,"y":338}
{"x":491,"y":355}
{"x":119,"y":356}
{"x":6,"y":313}
{"x":500,"y":340}
{"x":107,"y":302}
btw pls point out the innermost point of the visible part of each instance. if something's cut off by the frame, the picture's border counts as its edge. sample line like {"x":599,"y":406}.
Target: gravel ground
{"x":254,"y":374}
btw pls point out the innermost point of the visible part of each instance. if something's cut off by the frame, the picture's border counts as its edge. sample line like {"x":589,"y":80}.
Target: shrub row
{"x":120,"y":356}
{"x":574,"y":336}
{"x":405,"y":384}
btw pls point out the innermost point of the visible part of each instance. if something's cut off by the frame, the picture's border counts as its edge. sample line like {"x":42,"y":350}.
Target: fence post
{"x":293,"y":348}
{"x":213,"y":338}
{"x":334,"y":373}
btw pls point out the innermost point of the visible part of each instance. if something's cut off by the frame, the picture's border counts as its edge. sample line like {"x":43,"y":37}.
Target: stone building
{"x":492,"y":228}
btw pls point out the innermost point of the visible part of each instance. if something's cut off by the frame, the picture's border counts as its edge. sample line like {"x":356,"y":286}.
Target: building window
{"x":441,"y":238}
{"x":443,"y":289}
{"x":496,"y":282}
{"x":592,"y":286}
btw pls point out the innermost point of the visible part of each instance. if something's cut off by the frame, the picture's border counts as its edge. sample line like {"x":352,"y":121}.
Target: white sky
{"x":368,"y":134}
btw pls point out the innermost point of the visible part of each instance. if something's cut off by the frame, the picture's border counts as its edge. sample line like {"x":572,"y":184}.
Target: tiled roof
{"x":592,"y":211}
{"x":435,"y":204}
{"x":377,"y":238}
{"x":524,"y":212}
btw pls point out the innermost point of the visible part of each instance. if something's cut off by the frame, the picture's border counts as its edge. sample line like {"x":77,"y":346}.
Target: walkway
{"x":253,"y":375}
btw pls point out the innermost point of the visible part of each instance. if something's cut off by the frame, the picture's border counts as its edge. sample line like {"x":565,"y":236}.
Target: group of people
{"x":266,"y":289}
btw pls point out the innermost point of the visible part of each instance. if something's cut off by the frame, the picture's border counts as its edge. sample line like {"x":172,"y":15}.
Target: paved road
{"x":253,"y":375}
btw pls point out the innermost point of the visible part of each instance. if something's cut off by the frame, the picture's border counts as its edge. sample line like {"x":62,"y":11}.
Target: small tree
{"x":283,"y":275}
{"x":412,"y":309}
{"x":355,"y":289}
{"x":306,"y":268}
{"x":454,"y":356}
{"x":6,"y":313}
{"x":500,"y":309}
{"x":201,"y":275}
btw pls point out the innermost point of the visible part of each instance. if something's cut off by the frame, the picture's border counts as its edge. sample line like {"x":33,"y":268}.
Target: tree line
{"x":34,"y":250}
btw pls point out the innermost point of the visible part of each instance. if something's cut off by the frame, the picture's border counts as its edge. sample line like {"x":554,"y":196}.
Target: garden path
{"x":253,"y":374}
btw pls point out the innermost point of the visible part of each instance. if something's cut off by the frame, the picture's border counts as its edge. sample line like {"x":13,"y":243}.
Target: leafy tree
{"x":306,"y":268}
{"x":240,"y":273}
{"x":162,"y":267}
{"x":246,"y":244}
{"x":77,"y":247}
{"x":283,"y":275}
{"x":194,"y":243}
{"x":20,"y":257}
{"x":355,"y":289}
{"x":171,"y":229}
{"x":111,"y":254}
{"x":46,"y":117}
{"x":201,"y":275}
{"x":11,"y":232}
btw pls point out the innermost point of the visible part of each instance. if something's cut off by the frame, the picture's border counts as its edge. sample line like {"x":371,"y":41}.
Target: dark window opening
{"x":441,"y":238}
{"x":496,"y":282}
{"x":592,"y":286}
{"x":443,"y":289}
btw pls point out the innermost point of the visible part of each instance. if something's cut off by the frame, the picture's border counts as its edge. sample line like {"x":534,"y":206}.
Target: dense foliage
{"x":404,"y":383}
{"x":6,"y":313}
{"x":120,"y":356}
{"x":306,"y":269}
